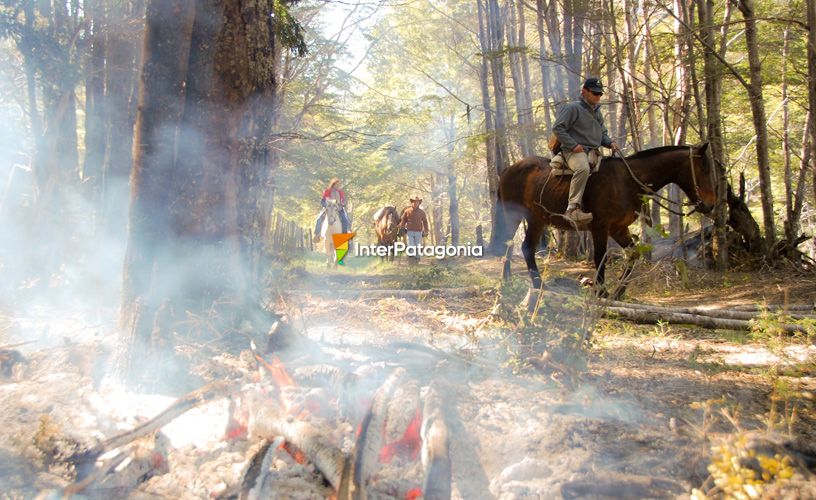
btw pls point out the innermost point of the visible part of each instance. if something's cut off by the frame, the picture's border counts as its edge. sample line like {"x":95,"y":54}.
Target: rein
{"x":656,"y":196}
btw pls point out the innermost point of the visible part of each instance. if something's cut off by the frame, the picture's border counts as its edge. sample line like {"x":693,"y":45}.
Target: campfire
{"x":377,"y":432}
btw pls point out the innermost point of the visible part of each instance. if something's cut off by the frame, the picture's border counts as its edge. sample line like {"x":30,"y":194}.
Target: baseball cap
{"x":593,"y":84}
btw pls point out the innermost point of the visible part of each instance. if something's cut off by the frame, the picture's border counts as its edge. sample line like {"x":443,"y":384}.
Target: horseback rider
{"x":333,"y":192}
{"x":580,"y":128}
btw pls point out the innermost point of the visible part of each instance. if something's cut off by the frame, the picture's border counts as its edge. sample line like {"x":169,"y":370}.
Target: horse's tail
{"x":510,"y":203}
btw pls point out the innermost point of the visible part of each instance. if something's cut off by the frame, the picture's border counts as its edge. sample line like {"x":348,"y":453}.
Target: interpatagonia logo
{"x":341,"y":245}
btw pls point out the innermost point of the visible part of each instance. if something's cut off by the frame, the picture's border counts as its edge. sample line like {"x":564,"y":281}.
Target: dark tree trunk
{"x":194,"y":206}
{"x":149,"y":260}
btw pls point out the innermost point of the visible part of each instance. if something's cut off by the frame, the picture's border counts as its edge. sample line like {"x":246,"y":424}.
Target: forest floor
{"x":643,"y":411}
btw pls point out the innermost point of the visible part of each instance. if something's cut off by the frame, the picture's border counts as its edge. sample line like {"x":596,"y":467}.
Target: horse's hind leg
{"x":513,"y":215}
{"x":534,"y":229}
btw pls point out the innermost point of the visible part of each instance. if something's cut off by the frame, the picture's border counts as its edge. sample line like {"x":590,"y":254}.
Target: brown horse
{"x":614,"y":195}
{"x":386,"y":221}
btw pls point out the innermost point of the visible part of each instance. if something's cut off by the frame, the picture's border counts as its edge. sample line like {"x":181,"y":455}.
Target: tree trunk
{"x":148,"y":263}
{"x":495,"y":30}
{"x":758,"y":112}
{"x":493,"y":168}
{"x":122,"y":55}
{"x":95,"y":111}
{"x":713,"y":97}
{"x":520,"y":72}
{"x":544,"y":64}
{"x":811,"y":56}
{"x":453,"y":196}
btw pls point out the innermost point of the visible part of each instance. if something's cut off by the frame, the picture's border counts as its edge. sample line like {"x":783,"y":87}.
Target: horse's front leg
{"x":624,"y":239}
{"x":600,"y":235}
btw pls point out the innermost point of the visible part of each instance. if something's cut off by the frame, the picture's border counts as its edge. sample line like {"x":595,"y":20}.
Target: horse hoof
{"x":586,"y":282}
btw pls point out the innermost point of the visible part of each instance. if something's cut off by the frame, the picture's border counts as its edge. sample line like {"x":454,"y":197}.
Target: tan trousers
{"x":579,"y":164}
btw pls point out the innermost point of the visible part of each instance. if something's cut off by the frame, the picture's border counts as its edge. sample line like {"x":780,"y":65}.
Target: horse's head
{"x":704,"y":188}
{"x":332,"y":210}
{"x":386,"y":225}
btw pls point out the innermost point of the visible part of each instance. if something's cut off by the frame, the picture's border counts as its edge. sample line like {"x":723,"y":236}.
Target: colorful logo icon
{"x":341,"y":245}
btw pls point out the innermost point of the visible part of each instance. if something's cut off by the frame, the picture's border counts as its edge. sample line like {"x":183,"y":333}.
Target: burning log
{"x":436,"y":462}
{"x":266,"y":420}
{"x":252,"y":480}
{"x":370,"y":439}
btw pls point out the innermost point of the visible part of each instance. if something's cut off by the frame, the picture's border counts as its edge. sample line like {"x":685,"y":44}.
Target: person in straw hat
{"x":415,"y":222}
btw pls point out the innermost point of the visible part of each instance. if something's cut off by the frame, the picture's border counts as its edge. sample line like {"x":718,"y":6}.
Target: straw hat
{"x":415,"y":198}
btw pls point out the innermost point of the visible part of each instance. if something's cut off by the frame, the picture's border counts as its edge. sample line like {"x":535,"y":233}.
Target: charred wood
{"x":436,"y":462}
{"x":369,"y":442}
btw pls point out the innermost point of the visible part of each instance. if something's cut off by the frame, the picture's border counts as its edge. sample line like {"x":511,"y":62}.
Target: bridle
{"x":655,"y":196}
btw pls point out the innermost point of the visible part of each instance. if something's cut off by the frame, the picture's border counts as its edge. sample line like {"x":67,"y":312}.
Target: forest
{"x":174,"y":324}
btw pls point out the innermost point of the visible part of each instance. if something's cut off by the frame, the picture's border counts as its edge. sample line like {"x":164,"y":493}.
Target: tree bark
{"x":495,"y":31}
{"x":148,"y":259}
{"x":520,"y":72}
{"x":713,"y":98}
{"x":758,"y":111}
{"x":811,"y":53}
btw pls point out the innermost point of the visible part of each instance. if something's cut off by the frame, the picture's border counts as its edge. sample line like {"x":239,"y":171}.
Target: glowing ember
{"x":413,"y":494}
{"x":408,"y":445}
{"x":293,"y":450}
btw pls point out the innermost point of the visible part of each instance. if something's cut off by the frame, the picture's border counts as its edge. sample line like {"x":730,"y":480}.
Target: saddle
{"x":559,"y":164}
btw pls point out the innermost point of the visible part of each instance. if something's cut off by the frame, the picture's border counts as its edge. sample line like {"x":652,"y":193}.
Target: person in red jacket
{"x":333,"y":192}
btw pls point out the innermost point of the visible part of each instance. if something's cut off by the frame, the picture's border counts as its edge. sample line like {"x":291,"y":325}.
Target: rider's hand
{"x":614,"y":146}
{"x":578,"y":149}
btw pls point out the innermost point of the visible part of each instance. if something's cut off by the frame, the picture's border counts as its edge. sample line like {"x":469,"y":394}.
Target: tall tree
{"x":756,"y":99}
{"x":207,"y":64}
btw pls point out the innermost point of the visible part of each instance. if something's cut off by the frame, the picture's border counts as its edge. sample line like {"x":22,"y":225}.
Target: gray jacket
{"x":577,"y":123}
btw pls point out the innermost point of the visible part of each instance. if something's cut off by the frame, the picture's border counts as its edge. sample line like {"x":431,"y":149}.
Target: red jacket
{"x":327,"y":193}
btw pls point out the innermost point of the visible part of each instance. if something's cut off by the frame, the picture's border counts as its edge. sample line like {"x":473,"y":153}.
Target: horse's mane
{"x":647,"y":153}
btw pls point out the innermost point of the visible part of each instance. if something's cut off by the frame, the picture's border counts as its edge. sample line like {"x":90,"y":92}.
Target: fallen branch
{"x":702,"y":311}
{"x":185,"y":403}
{"x":470,"y":291}
{"x":653,"y":317}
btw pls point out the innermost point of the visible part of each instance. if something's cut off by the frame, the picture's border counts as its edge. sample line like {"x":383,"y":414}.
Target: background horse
{"x":331,"y":225}
{"x":614,"y":195}
{"x":385,"y":225}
